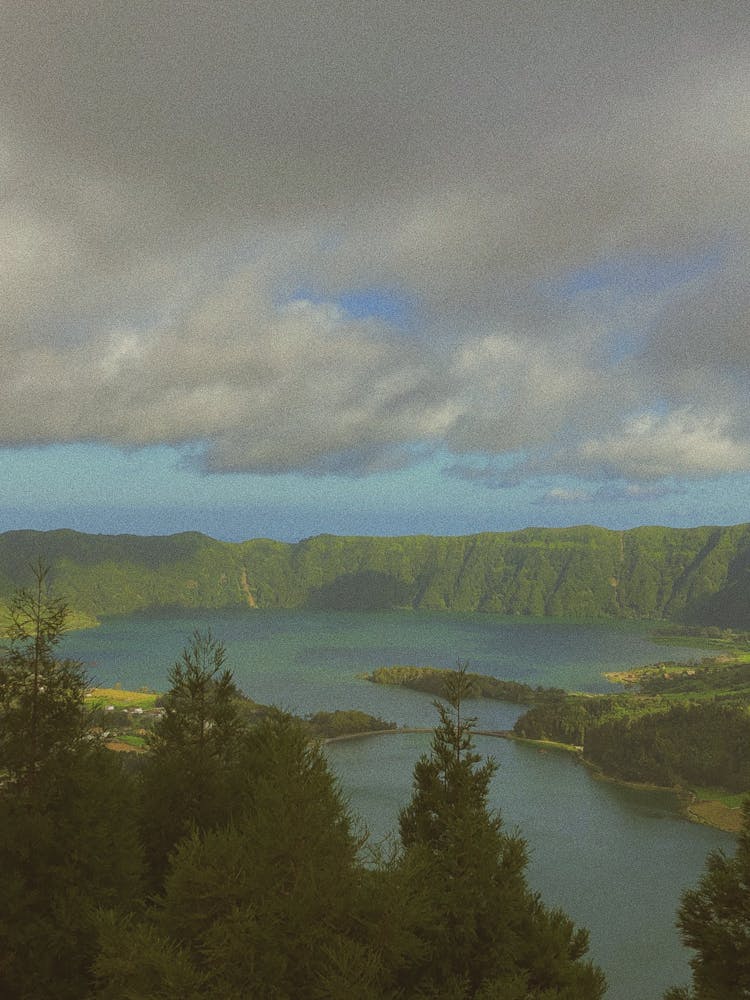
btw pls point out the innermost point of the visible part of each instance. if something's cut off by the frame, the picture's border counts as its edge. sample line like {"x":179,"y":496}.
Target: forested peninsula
{"x":694,"y":575}
{"x":680,"y":726}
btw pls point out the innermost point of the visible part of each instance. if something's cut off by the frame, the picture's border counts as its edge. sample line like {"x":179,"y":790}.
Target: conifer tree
{"x":714,"y":919}
{"x":264,"y":906}
{"x":487,"y":935}
{"x":186,"y":777}
{"x":67,"y":833}
{"x":41,"y":697}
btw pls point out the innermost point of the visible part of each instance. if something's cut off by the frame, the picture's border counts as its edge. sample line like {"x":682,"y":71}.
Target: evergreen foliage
{"x":714,"y":920}
{"x":487,"y":935}
{"x":330,"y":725}
{"x":258,"y":884}
{"x":434,"y":680}
{"x":256,"y":906}
{"x":186,"y":779}
{"x":68,"y":839}
{"x":41,"y":697}
{"x":704,"y":744}
{"x":68,"y":851}
{"x":701,"y":743}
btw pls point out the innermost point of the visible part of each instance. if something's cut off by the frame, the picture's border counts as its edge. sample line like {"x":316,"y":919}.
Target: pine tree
{"x":41,"y":697}
{"x":67,"y":833}
{"x":714,"y":920}
{"x":264,"y":906}
{"x":487,"y":935}
{"x":448,"y":784}
{"x":193,"y":750}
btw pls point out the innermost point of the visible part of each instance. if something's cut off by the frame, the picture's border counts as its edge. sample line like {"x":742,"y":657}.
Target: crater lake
{"x":616,"y":859}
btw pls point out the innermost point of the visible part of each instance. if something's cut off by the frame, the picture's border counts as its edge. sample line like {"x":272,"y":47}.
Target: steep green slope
{"x":113,"y":574}
{"x":693,"y":574}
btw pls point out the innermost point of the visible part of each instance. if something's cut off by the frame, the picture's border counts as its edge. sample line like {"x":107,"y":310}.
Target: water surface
{"x":615,"y":859}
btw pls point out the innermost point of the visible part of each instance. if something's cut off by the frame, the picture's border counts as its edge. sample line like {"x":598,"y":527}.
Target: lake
{"x":616,"y":859}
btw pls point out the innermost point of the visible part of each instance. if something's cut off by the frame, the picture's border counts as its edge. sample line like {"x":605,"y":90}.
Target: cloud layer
{"x":563,"y":190}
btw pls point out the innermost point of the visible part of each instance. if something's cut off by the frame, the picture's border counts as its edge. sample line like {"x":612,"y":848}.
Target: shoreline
{"x":707,"y":812}
{"x":712,"y":812}
{"x":703,"y":810}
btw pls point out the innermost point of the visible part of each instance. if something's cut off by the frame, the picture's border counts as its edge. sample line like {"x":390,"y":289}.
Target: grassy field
{"x":123,"y":699}
{"x":731,"y":801}
{"x":715,"y":807}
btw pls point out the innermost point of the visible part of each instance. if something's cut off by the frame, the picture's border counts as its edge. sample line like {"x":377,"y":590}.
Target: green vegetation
{"x":334,"y":725}
{"x":710,"y":636}
{"x":695,"y":575}
{"x":68,"y":832}
{"x":127,"y":719}
{"x":433,"y":680}
{"x":725,"y":675}
{"x":684,"y":726}
{"x":75,"y":620}
{"x":728,"y":799}
{"x":714,"y":920}
{"x":685,"y":745}
{"x":487,"y":934}
{"x":223,"y":862}
{"x":120,"y":699}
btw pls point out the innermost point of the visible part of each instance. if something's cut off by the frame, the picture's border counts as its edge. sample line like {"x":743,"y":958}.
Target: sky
{"x":275,"y":269}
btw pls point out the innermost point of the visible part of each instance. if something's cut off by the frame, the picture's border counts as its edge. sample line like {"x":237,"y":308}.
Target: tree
{"x":193,"y":748}
{"x":41,"y":698}
{"x":448,"y":785}
{"x":70,"y":850}
{"x":714,"y":920}
{"x":67,"y":833}
{"x":264,"y":905}
{"x":487,"y":935}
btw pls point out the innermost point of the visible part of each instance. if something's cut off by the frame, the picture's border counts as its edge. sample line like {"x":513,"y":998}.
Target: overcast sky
{"x":290,"y":267}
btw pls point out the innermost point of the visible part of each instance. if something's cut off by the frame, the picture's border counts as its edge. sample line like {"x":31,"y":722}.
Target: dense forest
{"x":223,"y":863}
{"x":699,"y":575}
{"x":704,"y":744}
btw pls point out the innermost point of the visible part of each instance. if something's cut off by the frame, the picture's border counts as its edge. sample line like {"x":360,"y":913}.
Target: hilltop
{"x":695,"y":575}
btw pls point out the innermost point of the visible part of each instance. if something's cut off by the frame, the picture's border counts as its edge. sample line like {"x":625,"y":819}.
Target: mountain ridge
{"x":697,"y":575}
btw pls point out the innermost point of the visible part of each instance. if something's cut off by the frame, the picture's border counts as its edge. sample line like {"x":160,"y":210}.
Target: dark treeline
{"x":696,"y":575}
{"x":704,"y":743}
{"x":433,"y":681}
{"x":224,"y":863}
{"x":657,"y":736}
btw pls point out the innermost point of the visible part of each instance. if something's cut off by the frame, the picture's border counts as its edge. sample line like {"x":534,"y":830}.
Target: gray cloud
{"x":265,"y":390}
{"x":172,"y":173}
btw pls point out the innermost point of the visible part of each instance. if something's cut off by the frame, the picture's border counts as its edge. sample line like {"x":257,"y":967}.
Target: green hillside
{"x":699,"y":575}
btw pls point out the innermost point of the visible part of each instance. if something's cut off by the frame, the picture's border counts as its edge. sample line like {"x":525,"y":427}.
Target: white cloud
{"x":683,"y":443}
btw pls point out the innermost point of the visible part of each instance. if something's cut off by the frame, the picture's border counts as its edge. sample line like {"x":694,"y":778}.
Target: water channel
{"x":616,"y":859}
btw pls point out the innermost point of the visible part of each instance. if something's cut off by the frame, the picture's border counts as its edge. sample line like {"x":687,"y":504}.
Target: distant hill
{"x":698,"y":575}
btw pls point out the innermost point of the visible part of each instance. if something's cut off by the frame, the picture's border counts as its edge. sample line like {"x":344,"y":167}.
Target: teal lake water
{"x":614,"y":858}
